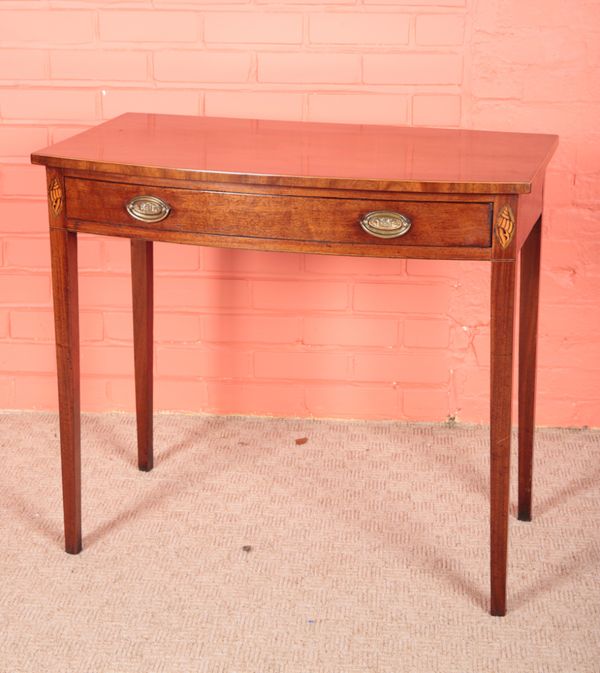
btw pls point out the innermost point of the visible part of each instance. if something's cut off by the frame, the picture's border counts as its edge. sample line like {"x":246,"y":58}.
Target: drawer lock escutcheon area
{"x":148,"y":208}
{"x":385,"y":224}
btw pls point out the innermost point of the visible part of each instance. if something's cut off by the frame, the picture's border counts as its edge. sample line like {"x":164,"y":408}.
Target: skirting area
{"x":293,"y":546}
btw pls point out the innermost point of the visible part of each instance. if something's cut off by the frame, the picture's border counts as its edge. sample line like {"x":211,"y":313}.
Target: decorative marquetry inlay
{"x":505,"y":226}
{"x":55,"y":194}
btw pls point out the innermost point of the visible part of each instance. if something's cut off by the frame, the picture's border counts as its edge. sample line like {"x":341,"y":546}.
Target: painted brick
{"x":354,"y":266}
{"x":57,"y":104}
{"x":33,"y":325}
{"x":98,"y":65}
{"x":559,"y":381}
{"x":169,"y":256}
{"x":567,"y":320}
{"x":342,"y":331}
{"x":432,"y":368}
{"x":117,"y":254}
{"x":254,"y":104}
{"x":177,"y":327}
{"x":473,"y":410}
{"x":205,"y":292}
{"x":358,"y":108}
{"x":309,"y":68}
{"x":249,"y":261}
{"x":425,"y":405}
{"x":403,"y":297}
{"x":22,"y":180}
{"x":436,"y":110}
{"x":89,"y":252}
{"x":36,"y":392}
{"x":440,"y":29}
{"x":42,"y":25}
{"x":148,"y":26}
{"x":472,"y":381}
{"x":179,"y":395}
{"x":94,"y":394}
{"x":425,"y":88}
{"x":426,"y":333}
{"x":349,"y":401}
{"x":24,"y":289}
{"x":7,"y":386}
{"x":201,"y":66}
{"x":103,"y":290}
{"x":359,"y":28}
{"x":301,"y":365}
{"x":214,"y":363}
{"x":21,"y":140}
{"x":252,"y":27}
{"x":185,"y":4}
{"x":119,"y":391}
{"x":299,"y":295}
{"x":116,"y":102}
{"x":250,"y":329}
{"x":255,"y":398}
{"x":27,"y":253}
{"x":570,"y":352}
{"x":433,"y":268}
{"x":4,"y":326}
{"x":419,"y":3}
{"x":482,"y":347}
{"x":107,"y":359}
{"x":19,"y":64}
{"x":118,"y":326}
{"x":27,"y":357}
{"x":59,"y":133}
{"x":21,"y":216}
{"x":39,"y":325}
{"x":305,"y":2}
{"x":412,"y":68}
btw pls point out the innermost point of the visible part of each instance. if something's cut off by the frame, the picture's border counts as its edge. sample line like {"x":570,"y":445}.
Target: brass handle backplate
{"x":148,"y":208}
{"x":385,"y":224}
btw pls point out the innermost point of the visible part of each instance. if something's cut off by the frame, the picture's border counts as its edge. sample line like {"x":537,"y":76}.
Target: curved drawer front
{"x":327,"y":219}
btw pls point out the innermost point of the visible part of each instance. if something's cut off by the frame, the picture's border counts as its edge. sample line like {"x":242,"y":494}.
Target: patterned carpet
{"x":249,"y":550}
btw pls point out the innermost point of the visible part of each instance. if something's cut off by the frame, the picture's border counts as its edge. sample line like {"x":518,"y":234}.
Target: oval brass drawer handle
{"x":385,"y":224}
{"x":148,"y":208}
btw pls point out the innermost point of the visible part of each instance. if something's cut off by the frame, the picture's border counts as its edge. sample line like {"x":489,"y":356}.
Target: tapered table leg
{"x":528,"y":322}
{"x":502,"y":321}
{"x":66,"y":320}
{"x":142,"y":287}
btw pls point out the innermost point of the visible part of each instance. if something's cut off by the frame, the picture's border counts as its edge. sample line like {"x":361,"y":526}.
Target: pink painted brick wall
{"x":263,"y":333}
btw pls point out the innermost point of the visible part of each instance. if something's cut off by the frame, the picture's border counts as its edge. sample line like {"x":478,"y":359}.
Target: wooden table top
{"x":307,"y":154}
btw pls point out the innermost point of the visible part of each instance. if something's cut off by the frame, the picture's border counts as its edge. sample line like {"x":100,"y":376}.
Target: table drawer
{"x":290,"y":217}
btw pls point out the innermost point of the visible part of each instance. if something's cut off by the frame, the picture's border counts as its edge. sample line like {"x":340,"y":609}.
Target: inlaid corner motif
{"x":505,"y":226}
{"x":55,"y":194}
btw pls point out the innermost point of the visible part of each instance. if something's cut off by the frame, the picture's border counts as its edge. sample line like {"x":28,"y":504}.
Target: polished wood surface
{"x":142,"y":286}
{"x":63,"y":249}
{"x":528,"y":324}
{"x":327,"y":219}
{"x":305,"y":188}
{"x":501,"y":328}
{"x":346,"y":156}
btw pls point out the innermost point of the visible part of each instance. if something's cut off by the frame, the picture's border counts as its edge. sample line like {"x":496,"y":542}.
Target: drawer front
{"x":287,"y":217}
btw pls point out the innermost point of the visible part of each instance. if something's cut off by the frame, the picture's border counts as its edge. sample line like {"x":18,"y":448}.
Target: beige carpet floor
{"x":362,"y":549}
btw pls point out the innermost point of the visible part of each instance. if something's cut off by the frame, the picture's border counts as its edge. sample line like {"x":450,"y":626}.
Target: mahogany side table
{"x":375,"y":191}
